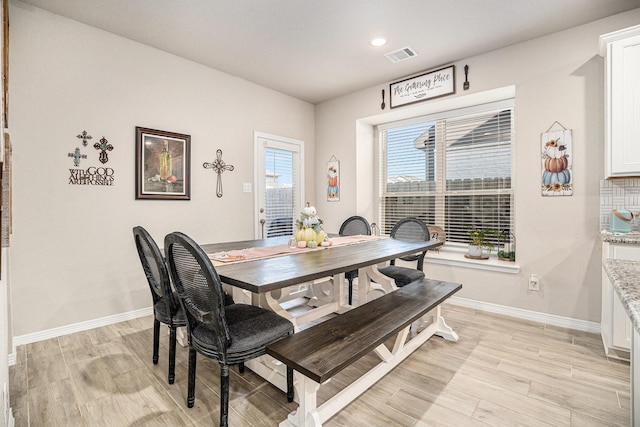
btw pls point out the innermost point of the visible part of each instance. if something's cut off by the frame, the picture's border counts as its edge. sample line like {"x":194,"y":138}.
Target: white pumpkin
{"x":309,"y":210}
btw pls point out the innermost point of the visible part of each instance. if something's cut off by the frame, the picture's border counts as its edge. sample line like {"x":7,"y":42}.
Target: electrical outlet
{"x":534,"y":282}
{"x":246,"y":187}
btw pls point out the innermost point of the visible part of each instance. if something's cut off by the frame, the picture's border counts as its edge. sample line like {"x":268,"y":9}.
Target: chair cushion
{"x":402,"y":275}
{"x":162,"y":312}
{"x":251,"y":329}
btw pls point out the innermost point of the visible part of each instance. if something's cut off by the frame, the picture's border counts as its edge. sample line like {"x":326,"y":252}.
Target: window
{"x":451,"y":169}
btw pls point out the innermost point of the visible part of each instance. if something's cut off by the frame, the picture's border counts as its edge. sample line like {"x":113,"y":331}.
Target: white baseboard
{"x":75,"y":327}
{"x":550,"y":319}
{"x":534,"y":316}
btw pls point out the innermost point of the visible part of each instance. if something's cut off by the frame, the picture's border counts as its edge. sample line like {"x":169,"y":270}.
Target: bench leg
{"x":307,"y":413}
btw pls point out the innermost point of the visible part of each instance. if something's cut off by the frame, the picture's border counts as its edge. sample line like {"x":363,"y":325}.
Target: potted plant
{"x":480,"y":242}
{"x":508,"y":253}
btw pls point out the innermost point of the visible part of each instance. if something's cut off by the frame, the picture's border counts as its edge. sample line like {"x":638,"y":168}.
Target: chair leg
{"x":191,"y":387}
{"x":156,"y":340}
{"x":224,"y":395}
{"x":241,"y":367}
{"x":289,"y":384}
{"x":350,"y":290}
{"x":172,"y":354}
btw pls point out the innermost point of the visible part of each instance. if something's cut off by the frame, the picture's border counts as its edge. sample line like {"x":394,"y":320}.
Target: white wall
{"x":72,"y":254}
{"x":559,"y":77}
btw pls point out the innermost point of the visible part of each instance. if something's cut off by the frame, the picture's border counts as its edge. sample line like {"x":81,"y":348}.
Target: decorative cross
{"x":218,"y":167}
{"x":77,"y":156}
{"x":84,"y":136}
{"x":103,"y":146}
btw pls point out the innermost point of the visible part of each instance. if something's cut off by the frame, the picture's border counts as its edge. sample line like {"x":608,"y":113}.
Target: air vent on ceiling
{"x":401,"y":54}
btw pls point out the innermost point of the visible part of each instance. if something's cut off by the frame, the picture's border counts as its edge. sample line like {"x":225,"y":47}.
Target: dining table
{"x":265,"y":268}
{"x":283,"y":267}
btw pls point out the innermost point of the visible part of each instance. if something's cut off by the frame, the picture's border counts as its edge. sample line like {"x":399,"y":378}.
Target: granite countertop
{"x":632,"y":238}
{"x":625,"y":278}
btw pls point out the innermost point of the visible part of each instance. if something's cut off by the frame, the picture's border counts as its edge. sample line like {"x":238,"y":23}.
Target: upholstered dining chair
{"x":230,"y":334}
{"x":407,"y":229}
{"x":166,"y":307}
{"x":354,"y":226}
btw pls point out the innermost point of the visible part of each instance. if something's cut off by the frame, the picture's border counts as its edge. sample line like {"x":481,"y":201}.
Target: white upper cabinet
{"x":621,"y":50}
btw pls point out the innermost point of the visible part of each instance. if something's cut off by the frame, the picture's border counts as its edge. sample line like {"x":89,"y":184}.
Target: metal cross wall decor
{"x":103,"y":146}
{"x":218,"y":167}
{"x":84,"y":136}
{"x":77,"y":156}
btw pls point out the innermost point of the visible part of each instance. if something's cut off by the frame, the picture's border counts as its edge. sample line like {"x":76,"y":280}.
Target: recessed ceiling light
{"x":377,"y":42}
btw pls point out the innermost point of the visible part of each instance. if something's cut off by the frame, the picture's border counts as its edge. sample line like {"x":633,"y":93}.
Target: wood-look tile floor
{"x":502,"y":372}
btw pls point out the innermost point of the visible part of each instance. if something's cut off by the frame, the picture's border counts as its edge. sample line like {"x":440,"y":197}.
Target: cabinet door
{"x":619,"y":325}
{"x":606,"y":319}
{"x":622,"y":327}
{"x":623,"y":66}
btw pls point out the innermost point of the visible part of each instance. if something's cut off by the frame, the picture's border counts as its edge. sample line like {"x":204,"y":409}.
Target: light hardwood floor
{"x":502,"y":372}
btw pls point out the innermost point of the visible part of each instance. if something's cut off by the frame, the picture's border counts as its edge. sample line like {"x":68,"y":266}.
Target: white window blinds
{"x":452,"y":170}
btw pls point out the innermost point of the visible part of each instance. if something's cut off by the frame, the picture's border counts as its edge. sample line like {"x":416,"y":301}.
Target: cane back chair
{"x":166,"y":307}
{"x":229,"y":334}
{"x":407,"y":229}
{"x":354,"y":226}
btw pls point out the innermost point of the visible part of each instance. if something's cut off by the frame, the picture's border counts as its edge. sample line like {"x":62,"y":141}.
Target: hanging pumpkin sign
{"x":556,"y":148}
{"x":333,"y":180}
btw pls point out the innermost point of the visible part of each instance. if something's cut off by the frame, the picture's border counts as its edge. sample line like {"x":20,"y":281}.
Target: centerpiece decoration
{"x":309,"y":228}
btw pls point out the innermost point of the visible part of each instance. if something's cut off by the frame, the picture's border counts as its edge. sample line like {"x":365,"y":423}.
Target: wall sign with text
{"x":425,"y":86}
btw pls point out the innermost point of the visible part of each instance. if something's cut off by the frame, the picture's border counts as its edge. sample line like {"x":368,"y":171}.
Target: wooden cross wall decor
{"x":103,"y":146}
{"x":218,"y":167}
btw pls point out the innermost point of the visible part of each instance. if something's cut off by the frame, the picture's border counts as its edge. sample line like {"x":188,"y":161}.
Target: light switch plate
{"x":246,"y":187}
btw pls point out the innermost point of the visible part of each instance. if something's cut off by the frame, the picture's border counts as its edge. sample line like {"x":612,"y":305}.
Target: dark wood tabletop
{"x":269,"y":274}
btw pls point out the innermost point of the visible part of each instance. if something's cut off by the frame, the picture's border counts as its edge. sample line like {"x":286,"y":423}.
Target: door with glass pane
{"x":278,"y":184}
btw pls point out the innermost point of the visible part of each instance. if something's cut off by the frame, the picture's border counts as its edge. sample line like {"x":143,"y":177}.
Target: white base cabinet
{"x":615,"y":324}
{"x":621,"y":50}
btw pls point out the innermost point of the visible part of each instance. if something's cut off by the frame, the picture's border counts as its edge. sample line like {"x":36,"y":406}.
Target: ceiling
{"x":316,"y":50}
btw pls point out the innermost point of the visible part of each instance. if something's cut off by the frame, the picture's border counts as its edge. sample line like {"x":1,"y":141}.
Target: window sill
{"x":455,"y":257}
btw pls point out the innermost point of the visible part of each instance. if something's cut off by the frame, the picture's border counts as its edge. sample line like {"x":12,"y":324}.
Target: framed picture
{"x":333,"y":180}
{"x":163,"y":165}
{"x":432,"y":84}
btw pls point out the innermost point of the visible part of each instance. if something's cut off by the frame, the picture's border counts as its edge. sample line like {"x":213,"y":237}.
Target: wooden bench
{"x":323,"y":350}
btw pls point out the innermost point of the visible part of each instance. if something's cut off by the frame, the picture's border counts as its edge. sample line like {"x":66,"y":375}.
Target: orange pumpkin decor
{"x":559,"y":164}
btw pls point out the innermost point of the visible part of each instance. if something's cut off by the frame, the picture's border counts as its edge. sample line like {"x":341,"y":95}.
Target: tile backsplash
{"x":619,"y":193}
